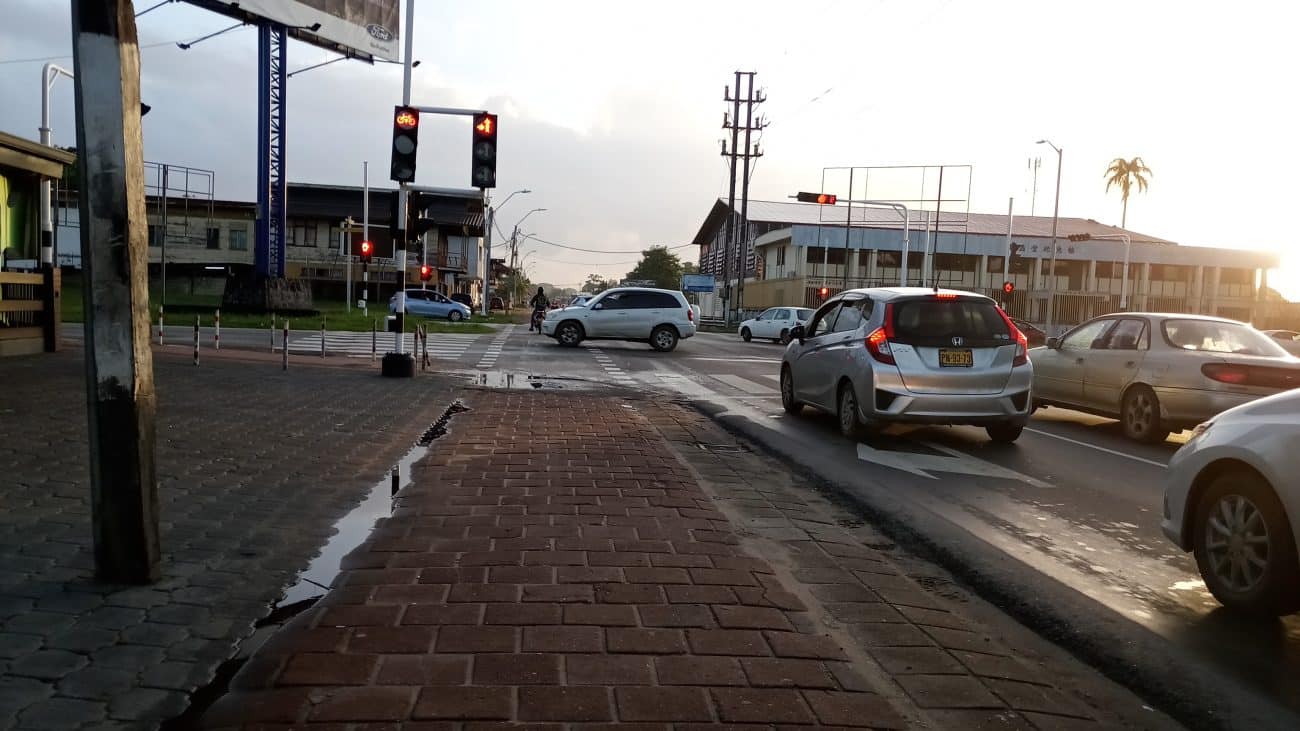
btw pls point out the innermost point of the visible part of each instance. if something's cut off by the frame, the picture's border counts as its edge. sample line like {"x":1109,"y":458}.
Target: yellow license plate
{"x":956,"y":358}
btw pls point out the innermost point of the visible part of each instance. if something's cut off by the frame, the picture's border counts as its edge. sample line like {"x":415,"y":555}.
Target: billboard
{"x":698,"y":283}
{"x":364,"y":28}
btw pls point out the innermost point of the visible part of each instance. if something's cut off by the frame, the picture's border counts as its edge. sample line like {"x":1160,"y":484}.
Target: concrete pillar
{"x":1144,"y":285}
{"x":1196,"y":295}
{"x":1212,"y":297}
{"x":982,"y":276}
{"x":873,"y":265}
{"x":1090,"y":279}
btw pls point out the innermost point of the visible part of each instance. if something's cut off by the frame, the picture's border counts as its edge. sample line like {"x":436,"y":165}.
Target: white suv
{"x":660,"y":317}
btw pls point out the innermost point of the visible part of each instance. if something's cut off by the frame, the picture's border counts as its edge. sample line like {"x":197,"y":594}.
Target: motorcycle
{"x":536,"y":322}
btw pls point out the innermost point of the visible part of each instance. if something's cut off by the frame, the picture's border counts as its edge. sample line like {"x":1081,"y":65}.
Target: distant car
{"x":1033,"y":334}
{"x":1159,"y":373}
{"x":496,"y":303}
{"x":660,"y":317}
{"x":428,"y":303}
{"x":464,"y":299}
{"x":774,"y":323}
{"x":1288,"y":339}
{"x":1232,"y":498}
{"x":910,"y":354}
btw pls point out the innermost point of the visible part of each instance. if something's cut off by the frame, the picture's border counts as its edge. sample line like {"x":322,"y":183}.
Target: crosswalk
{"x":444,"y":346}
{"x":489,"y":359}
{"x":616,"y":374}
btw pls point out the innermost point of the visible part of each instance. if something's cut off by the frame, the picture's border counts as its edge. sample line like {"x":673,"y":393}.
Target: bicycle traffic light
{"x":426,"y":272}
{"x":483,"y":154}
{"x":367,"y":251}
{"x":821,"y":199}
{"x":406,"y":137}
{"x":1008,"y":286}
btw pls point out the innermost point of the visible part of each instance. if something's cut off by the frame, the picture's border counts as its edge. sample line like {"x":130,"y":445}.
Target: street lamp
{"x":487,"y":254}
{"x":1056,"y":219}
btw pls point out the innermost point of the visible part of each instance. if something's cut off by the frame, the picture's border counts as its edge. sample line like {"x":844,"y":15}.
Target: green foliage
{"x":659,"y":265}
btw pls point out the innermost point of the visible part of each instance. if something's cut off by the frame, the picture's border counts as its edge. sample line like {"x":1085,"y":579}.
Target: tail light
{"x":1235,"y":374}
{"x":878,"y":346}
{"x":690,"y":313}
{"x":1226,"y":373}
{"x":1022,"y":342}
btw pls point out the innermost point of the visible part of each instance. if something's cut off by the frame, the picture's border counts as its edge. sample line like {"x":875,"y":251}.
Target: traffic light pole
{"x":397,"y":363}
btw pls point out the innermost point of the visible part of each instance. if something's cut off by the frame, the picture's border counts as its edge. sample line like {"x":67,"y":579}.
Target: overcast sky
{"x":611,"y":112}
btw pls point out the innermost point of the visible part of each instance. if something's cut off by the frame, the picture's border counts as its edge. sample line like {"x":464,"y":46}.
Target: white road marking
{"x":744,"y":384}
{"x":737,"y":359}
{"x":494,"y":348}
{"x":1115,"y":452}
{"x":959,"y":462}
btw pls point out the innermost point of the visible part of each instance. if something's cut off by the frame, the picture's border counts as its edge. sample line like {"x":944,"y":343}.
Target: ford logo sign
{"x":379,"y":32}
{"x":957,"y":341}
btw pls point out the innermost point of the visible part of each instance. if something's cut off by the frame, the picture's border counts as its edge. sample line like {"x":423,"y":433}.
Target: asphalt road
{"x":1062,"y":528}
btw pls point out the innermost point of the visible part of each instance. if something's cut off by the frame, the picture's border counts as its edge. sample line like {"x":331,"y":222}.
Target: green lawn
{"x":335,"y":314}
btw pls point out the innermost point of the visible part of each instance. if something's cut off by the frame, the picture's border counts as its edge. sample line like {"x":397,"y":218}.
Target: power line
{"x":605,"y":251}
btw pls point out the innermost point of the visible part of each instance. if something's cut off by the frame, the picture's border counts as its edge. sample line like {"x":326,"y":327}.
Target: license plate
{"x":950,"y":358}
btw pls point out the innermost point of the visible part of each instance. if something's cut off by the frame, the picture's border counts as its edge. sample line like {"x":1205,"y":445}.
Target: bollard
{"x":374,"y":323}
{"x":322,"y":337}
{"x":272,"y":332}
{"x":216,"y":336}
{"x":160,"y":324}
{"x":428,"y":363}
{"x":396,"y":481}
{"x":284,"y":361}
{"x":196,"y":340}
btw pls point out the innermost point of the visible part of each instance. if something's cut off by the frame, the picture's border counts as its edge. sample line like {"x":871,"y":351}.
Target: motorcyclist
{"x":539,"y":303}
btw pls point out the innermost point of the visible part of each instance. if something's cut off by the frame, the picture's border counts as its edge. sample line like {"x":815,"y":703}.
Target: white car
{"x":1233,"y":499}
{"x":774,"y":323}
{"x":660,"y":317}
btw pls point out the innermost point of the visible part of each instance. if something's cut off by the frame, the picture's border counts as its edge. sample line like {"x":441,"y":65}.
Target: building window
{"x":214,"y":238}
{"x":302,"y":234}
{"x":238,"y":239}
{"x":780,"y":256}
{"x":154,"y":239}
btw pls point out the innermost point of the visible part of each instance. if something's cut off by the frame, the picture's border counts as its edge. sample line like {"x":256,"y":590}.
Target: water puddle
{"x":524,"y":382}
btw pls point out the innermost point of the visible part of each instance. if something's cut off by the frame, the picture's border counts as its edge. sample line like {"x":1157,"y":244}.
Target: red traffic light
{"x":426,"y":272}
{"x":821,"y":199}
{"x":485,"y":126}
{"x":407,"y":118}
{"x":367,"y":248}
{"x":1008,"y":287}
{"x":823,"y":292}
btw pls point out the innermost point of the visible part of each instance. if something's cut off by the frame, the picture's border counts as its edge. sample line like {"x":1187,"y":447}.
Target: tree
{"x":1125,"y":173}
{"x":690,"y":267}
{"x":596,"y":284}
{"x":660,"y":266}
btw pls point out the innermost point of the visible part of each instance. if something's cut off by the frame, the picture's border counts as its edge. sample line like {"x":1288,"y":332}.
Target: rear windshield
{"x":1211,"y":336}
{"x":936,"y":322}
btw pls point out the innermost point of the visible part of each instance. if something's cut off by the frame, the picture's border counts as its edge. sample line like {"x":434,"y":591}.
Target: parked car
{"x":1288,"y":339}
{"x":774,"y":323}
{"x":496,"y":303}
{"x":1232,"y":498}
{"x":1033,"y":334}
{"x":1159,"y":373}
{"x":464,"y":299}
{"x":659,"y":317}
{"x":428,"y":303}
{"x":910,"y":354}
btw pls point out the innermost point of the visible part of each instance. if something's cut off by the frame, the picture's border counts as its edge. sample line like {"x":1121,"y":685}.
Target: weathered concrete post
{"x":119,"y":365}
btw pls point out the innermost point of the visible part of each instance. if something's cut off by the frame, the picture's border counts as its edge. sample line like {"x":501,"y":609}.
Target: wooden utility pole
{"x":114,"y":226}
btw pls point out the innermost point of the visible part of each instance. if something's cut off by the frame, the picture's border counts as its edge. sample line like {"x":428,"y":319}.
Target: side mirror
{"x":797,"y":333}
{"x":1054,"y":343}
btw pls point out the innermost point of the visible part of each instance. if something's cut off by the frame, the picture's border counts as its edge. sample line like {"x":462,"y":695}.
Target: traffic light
{"x":1008,"y":286}
{"x":426,"y":272}
{"x":821,"y":199}
{"x":823,"y":292}
{"x":406,"y":137}
{"x":367,"y":251}
{"x":1079,"y":237}
{"x":483,"y":155}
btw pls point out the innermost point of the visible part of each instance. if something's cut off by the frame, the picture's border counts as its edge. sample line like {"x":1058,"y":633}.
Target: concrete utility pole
{"x":114,"y":256}
{"x":731,"y":198}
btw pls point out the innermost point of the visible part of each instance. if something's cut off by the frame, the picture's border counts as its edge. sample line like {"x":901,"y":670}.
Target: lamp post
{"x":1056,"y":219}
{"x":488,"y":222}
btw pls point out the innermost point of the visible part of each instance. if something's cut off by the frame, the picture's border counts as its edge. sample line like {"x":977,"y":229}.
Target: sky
{"x":611,"y":112}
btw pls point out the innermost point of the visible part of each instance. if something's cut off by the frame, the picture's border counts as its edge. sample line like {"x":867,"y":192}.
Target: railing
{"x":29,"y":312}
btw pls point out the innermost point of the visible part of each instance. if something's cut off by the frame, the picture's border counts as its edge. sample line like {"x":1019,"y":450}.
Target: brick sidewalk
{"x":579,"y":573}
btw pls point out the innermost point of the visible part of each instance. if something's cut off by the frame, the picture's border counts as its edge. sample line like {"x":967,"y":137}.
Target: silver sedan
{"x":1160,"y":372}
{"x":1232,"y":498}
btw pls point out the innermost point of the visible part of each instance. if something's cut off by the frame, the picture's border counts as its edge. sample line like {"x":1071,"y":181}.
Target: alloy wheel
{"x":1236,"y":539}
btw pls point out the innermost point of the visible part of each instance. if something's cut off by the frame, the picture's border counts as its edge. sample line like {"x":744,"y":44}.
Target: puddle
{"x":520,"y":381}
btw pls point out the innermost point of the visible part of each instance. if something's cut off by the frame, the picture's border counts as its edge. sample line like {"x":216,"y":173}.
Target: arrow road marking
{"x":923,"y":464}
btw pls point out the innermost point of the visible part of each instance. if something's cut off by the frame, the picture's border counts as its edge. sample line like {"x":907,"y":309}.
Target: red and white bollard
{"x":196,"y":340}
{"x":216,"y":336}
{"x":160,"y":324}
{"x":272,"y":332}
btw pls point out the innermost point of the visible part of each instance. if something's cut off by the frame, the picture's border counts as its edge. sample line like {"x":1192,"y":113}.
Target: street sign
{"x":639,"y":283}
{"x":698,"y":283}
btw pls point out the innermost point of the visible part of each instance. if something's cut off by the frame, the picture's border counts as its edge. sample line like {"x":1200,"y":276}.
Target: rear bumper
{"x":890,"y":405}
{"x":1192,"y":406}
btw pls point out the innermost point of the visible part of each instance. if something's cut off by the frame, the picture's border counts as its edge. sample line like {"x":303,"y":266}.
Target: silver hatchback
{"x":911,"y":354}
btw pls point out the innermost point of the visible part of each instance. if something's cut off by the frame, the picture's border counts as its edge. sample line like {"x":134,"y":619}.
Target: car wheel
{"x":569,"y":334}
{"x":663,"y":339}
{"x":1004,"y":433}
{"x":788,"y":401}
{"x":1140,"y":415}
{"x":1244,"y":547}
{"x":745,"y":334}
{"x":850,"y":422}
{"x":785,"y":337}
{"x":455,"y":316}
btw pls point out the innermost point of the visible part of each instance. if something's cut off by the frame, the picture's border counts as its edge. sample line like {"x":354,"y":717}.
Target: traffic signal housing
{"x":367,"y":251}
{"x":406,"y":138}
{"x":1008,"y":286}
{"x":823,"y":292}
{"x":426,"y":272}
{"x":821,"y":199}
{"x":483,"y":154}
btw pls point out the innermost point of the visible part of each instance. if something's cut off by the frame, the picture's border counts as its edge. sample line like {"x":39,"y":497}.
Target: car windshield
{"x":1213,"y":336}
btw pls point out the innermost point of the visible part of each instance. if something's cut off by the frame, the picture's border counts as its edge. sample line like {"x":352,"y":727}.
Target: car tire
{"x":663,"y":339}
{"x":1004,"y":433}
{"x":847,"y":412}
{"x":788,"y":401}
{"x":745,"y":334}
{"x":1140,"y":416}
{"x":455,"y":316}
{"x":569,"y":334}
{"x":1239,"y":518}
{"x":785,"y":337}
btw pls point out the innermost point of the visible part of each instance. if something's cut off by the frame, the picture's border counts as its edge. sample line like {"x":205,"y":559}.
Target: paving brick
{"x":1036,"y":698}
{"x":843,"y":593}
{"x":663,"y":704}
{"x":390,"y":640}
{"x":739,"y":617}
{"x":563,"y":638}
{"x":422,"y":670}
{"x":917,"y":660}
{"x":948,"y":691}
{"x":48,"y":664}
{"x":94,"y":683}
{"x":460,"y":638}
{"x":700,"y":595}
{"x":564,"y":704}
{"x":889,"y":634}
{"x":483,"y":593}
{"x":61,"y":713}
{"x":785,"y":673}
{"x":606,"y":615}
{"x":517,"y":669}
{"x":635,"y":575}
{"x":727,"y":642}
{"x":834,"y":708}
{"x":790,"y":644}
{"x":723,"y":577}
{"x":147,"y":705}
{"x":987,"y":720}
{"x":442,"y":614}
{"x":522,"y":614}
{"x":359,"y":616}
{"x":281,"y":705}
{"x":765,"y":705}
{"x":645,"y":641}
{"x":587,"y":574}
{"x":363,"y":704}
{"x":961,"y":640}
{"x":608,"y":670}
{"x":563,"y":593}
{"x":629,"y":594}
{"x":521,"y":574}
{"x":675,"y":615}
{"x":863,"y":612}
{"x":464,"y":704}
{"x":693,"y":670}
{"x":411,"y":594}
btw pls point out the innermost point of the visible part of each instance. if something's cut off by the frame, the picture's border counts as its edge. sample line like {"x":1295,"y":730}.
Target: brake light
{"x":878,"y":346}
{"x":945,"y":296}
{"x":1226,"y":373}
{"x":1022,"y":342}
{"x":690,"y":313}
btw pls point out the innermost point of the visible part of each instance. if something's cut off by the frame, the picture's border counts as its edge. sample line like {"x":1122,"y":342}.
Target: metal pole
{"x":742,"y":266}
{"x":196,"y":340}
{"x":399,"y":255}
{"x":374,"y":338}
{"x":1056,"y":218}
{"x":365,"y":233}
{"x":731,"y":207}
{"x":216,"y":336}
{"x":1006,"y":260}
{"x":1123,"y":286}
{"x":848,"y":222}
{"x":284,"y":350}
{"x":48,"y":74}
{"x":162,"y":255}
{"x":322,"y":337}
{"x":160,"y":322}
{"x":932,"y":245}
{"x":272,"y":332}
{"x":487,"y":257}
{"x":347,"y":258}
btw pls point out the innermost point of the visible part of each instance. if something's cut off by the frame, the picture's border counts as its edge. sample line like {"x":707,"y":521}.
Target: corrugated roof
{"x":792,"y":213}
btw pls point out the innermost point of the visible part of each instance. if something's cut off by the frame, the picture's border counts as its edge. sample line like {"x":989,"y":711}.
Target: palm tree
{"x":1125,"y":173}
